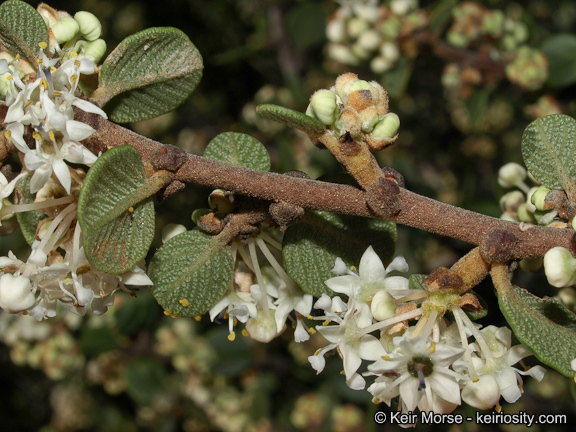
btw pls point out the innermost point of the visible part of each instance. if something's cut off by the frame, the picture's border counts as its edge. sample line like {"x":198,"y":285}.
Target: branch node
{"x":383,"y":197}
{"x":443,"y":279}
{"x":498,"y":245}
{"x":169,"y":157}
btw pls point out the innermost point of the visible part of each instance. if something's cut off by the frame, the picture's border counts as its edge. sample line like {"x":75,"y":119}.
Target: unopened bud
{"x":482,"y":394}
{"x":538,"y":198}
{"x":335,"y":30}
{"x":383,"y":306}
{"x":95,"y":50}
{"x":387,"y":128}
{"x":65,"y":29}
{"x":16,"y":293}
{"x":369,"y":40}
{"x":90,"y":26}
{"x":511,"y":174}
{"x":560,"y":267}
{"x":525,"y":215}
{"x":323,"y":106}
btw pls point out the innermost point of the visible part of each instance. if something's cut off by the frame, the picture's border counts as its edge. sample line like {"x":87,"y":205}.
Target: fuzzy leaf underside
{"x":191,"y":273}
{"x":545,"y":326}
{"x":117,"y":225}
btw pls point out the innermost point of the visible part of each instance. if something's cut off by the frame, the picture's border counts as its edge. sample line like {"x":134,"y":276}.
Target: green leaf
{"x":22,"y":29}
{"x":28,"y":221}
{"x":239,"y":149}
{"x":548,"y":144}
{"x":291,"y":118}
{"x":116,"y":238}
{"x":191,"y":273}
{"x":559,"y":50}
{"x":310,"y":248}
{"x":545,"y":326}
{"x":148,"y":74}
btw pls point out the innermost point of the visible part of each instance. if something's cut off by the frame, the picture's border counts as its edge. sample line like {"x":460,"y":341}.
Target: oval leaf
{"x":115,"y":212}
{"x":191,"y":273}
{"x":28,"y":221}
{"x":291,"y":118}
{"x":545,"y":326}
{"x":547,"y":144}
{"x":239,"y":149}
{"x":22,"y":29}
{"x":310,"y":248}
{"x":148,"y":74}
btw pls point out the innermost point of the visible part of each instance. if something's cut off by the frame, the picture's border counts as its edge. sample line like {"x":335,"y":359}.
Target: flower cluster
{"x":430,"y":364}
{"x":365,"y":31}
{"x":41,"y":105}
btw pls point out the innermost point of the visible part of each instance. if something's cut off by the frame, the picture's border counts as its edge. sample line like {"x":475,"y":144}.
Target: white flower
{"x":423,"y":369}
{"x":16,"y":293}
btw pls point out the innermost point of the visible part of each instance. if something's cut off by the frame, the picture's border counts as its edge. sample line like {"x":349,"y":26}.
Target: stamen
{"x":43,"y":45}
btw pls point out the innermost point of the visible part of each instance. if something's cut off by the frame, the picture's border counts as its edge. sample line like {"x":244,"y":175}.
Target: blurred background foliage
{"x":462,"y":116}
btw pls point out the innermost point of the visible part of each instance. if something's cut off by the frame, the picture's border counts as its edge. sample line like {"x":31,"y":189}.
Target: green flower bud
{"x":90,"y":26}
{"x":65,"y":29}
{"x":538,"y":198}
{"x":380,"y":64}
{"x":335,"y":31}
{"x":524,"y":215}
{"x":342,"y":54}
{"x":369,"y":40}
{"x":390,"y":28}
{"x":560,"y":267}
{"x":457,"y":39}
{"x":323,"y":106}
{"x":360,"y":85}
{"x":95,"y":50}
{"x":531,"y":207}
{"x":386,"y":128}
{"x":356,"y":26}
{"x":4,"y":84}
{"x":511,"y":174}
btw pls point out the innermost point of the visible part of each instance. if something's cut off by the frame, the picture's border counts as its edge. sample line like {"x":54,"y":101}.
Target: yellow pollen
{"x":73,"y":54}
{"x":575,"y":378}
{"x":385,"y":357}
{"x":317,"y":351}
{"x":27,"y":104}
{"x":226,"y":315}
{"x":17,"y":57}
{"x":475,"y":379}
{"x":51,"y":135}
{"x":245,"y":333}
{"x":235,"y":322}
{"x":498,"y":408}
{"x":353,"y":268}
{"x":53,"y":69}
{"x":44,"y":83}
{"x":39,"y":61}
{"x":56,"y":93}
{"x":198,"y":317}
{"x":77,"y":63}
{"x":310,"y":317}
{"x":184,"y":302}
{"x":432,"y":347}
{"x":313,"y":331}
{"x":10,"y":78}
{"x":74,"y":78}
{"x":293,"y":324}
{"x":232,"y":336}
{"x":36,"y":135}
{"x":342,"y":372}
{"x":325,"y":323}
{"x":166,"y":313}
{"x":8,"y":134}
{"x":131,"y":210}
{"x":102,"y":293}
{"x":43,"y":45}
{"x":376,"y":400}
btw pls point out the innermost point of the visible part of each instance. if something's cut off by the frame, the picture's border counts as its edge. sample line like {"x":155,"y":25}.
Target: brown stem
{"x":471,"y":268}
{"x":499,"y":273}
{"x":416,"y":211}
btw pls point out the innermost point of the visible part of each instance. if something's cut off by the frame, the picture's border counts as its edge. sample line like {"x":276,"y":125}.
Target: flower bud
{"x":538,"y":198}
{"x":356,"y":26}
{"x":383,"y":306}
{"x":335,"y":31}
{"x":65,"y":29}
{"x":511,"y":174}
{"x":390,"y":51}
{"x":263,"y":328}
{"x":369,"y":40}
{"x":172,"y":230}
{"x":95,"y":50}
{"x":323,"y":106}
{"x":511,"y":200}
{"x":16,"y":293}
{"x":90,"y":26}
{"x":391,"y":28}
{"x":482,"y":394}
{"x":380,"y":64}
{"x":402,"y":7}
{"x":342,"y":53}
{"x":369,"y":118}
{"x":387,"y":128}
{"x":525,"y":215}
{"x":560,"y":267}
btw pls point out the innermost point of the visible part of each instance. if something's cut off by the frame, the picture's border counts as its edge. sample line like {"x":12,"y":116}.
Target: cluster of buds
{"x":357,"y":107}
{"x":365,"y":31}
{"x":504,"y":38}
{"x":80,"y":34}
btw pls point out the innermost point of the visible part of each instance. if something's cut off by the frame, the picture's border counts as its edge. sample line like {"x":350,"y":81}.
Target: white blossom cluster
{"x":56,"y":271}
{"x":431,"y":365}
